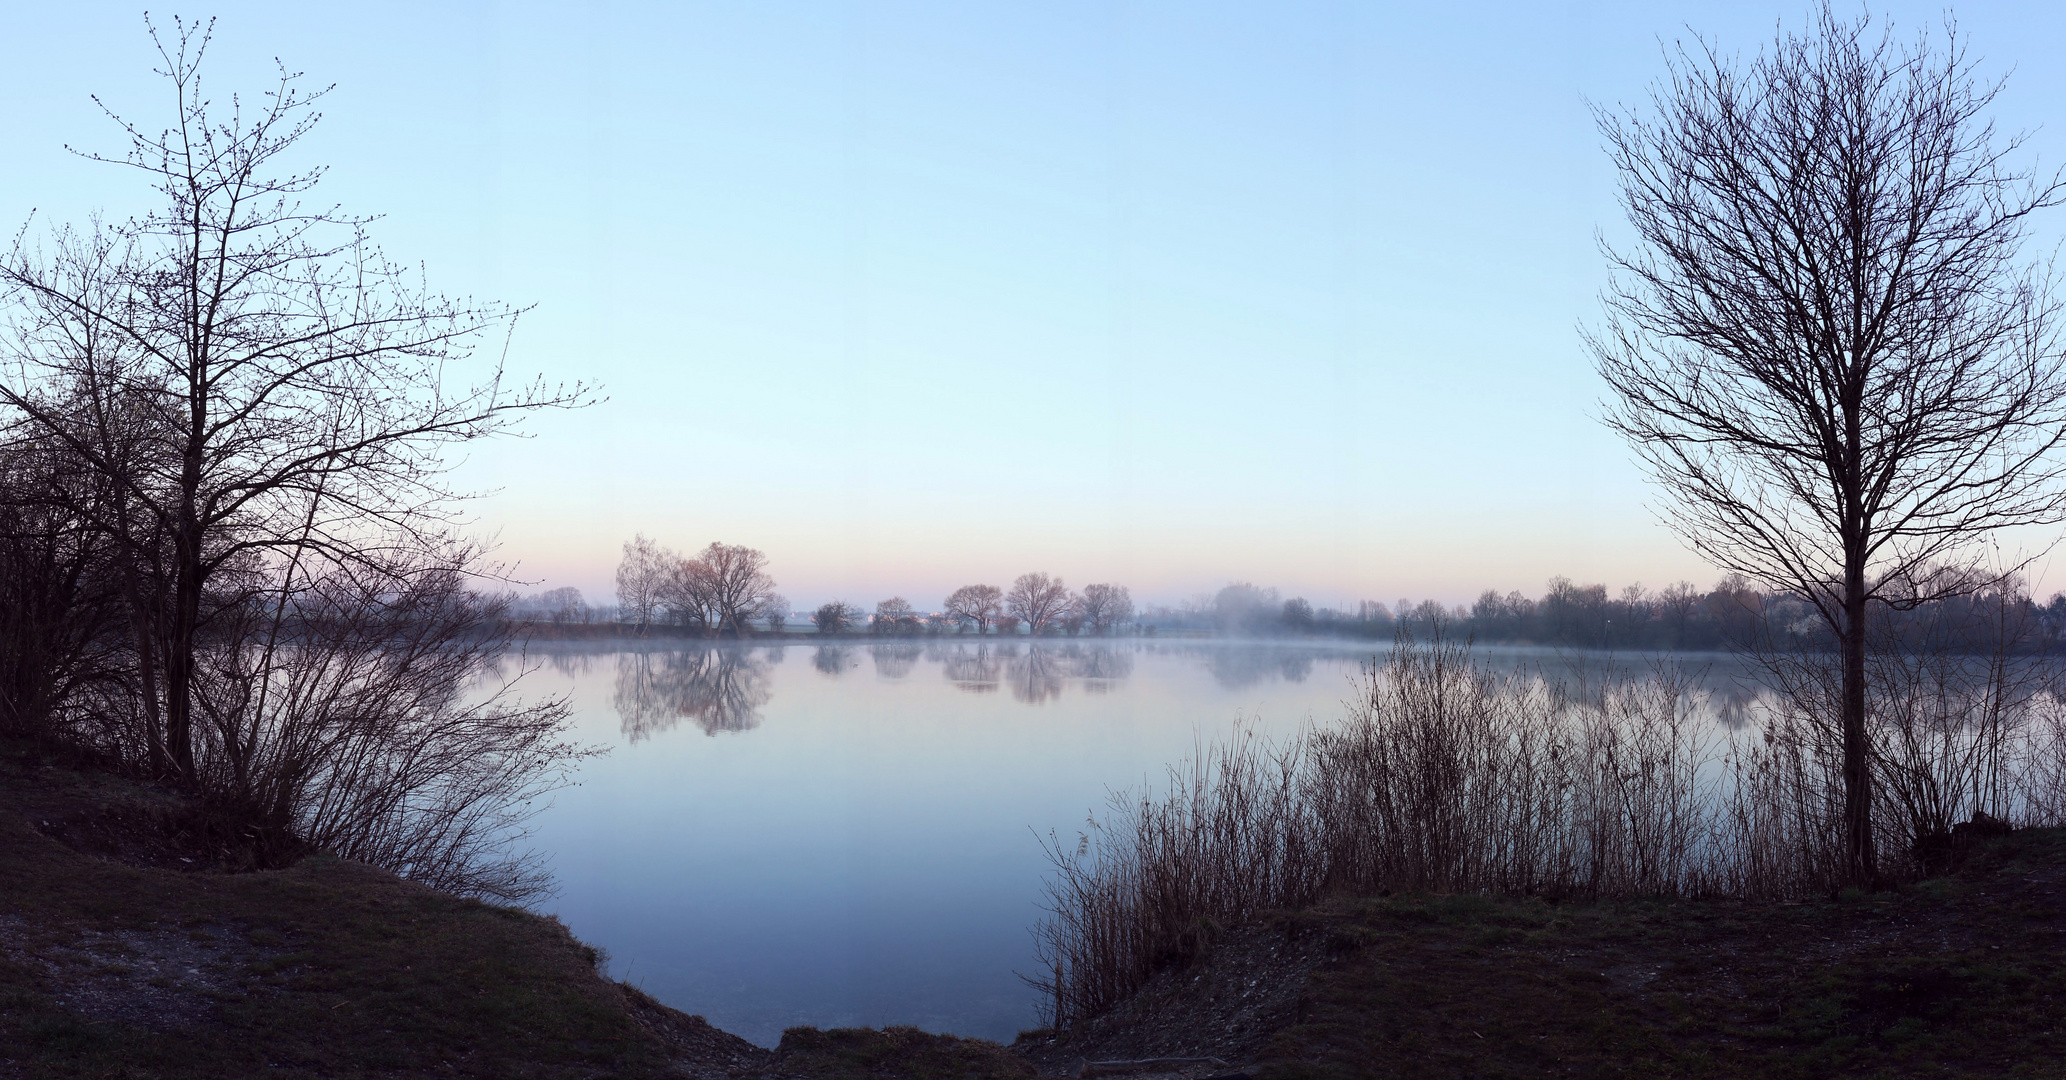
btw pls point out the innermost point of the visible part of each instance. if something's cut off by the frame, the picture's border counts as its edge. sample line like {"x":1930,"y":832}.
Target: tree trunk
{"x":144,"y":624}
{"x":184,"y":630}
{"x":179,"y":653}
{"x":1860,"y":862}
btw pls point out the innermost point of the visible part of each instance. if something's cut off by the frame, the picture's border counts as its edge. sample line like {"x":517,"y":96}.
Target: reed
{"x":1447,"y":776}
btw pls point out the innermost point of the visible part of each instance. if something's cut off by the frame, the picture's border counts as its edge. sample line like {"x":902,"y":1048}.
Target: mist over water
{"x":847,"y":833}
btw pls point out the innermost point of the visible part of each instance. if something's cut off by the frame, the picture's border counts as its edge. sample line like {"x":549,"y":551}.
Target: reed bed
{"x":1446,"y":776}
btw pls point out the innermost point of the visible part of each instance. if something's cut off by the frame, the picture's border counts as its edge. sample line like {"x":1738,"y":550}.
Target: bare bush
{"x":834,"y":617}
{"x":61,"y":617}
{"x":348,"y":712}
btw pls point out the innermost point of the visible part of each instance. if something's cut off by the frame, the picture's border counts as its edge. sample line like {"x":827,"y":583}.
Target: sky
{"x":911,"y":296}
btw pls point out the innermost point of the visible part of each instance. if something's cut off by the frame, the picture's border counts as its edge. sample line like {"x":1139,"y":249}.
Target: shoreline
{"x":121,"y":952}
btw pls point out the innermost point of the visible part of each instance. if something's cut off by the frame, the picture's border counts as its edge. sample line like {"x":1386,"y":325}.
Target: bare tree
{"x":835,"y":617}
{"x":61,"y":611}
{"x":1105,"y":606}
{"x":1037,"y":600}
{"x":564,"y":605}
{"x":894,"y":616}
{"x":333,"y":714}
{"x":976,"y":603}
{"x":1823,"y":344}
{"x":642,"y":580}
{"x":1298,"y":615}
{"x":1678,"y":602}
{"x":737,"y":584}
{"x":290,"y":380}
{"x":686,"y":597}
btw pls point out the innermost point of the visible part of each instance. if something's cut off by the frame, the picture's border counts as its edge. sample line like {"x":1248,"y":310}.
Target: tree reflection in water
{"x":895,"y":661}
{"x":719,"y":689}
{"x":1238,"y":669}
{"x":1038,"y":675}
{"x":833,"y":660}
{"x":1103,"y":668}
{"x":567,"y":662}
{"x":972,"y":670}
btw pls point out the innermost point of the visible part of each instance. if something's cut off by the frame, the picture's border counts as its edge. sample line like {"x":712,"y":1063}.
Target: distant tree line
{"x":1035,"y":605}
{"x":725,"y":590}
{"x":1731,"y":614}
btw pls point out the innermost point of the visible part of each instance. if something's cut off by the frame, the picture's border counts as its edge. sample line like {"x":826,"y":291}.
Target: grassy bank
{"x":119,"y":956}
{"x":1962,"y":975}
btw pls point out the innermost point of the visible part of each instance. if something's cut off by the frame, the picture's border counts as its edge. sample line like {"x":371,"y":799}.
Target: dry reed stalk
{"x":1446,"y":776}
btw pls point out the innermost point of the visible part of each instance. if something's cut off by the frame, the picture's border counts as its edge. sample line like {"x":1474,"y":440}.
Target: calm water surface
{"x":848,"y":835}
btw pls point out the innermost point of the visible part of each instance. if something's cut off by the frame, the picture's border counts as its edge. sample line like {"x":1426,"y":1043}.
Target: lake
{"x":848,"y":834}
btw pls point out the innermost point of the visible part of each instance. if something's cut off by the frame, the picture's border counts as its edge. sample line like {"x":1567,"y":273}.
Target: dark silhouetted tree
{"x":1823,"y":342}
{"x":266,"y":389}
{"x":835,"y":617}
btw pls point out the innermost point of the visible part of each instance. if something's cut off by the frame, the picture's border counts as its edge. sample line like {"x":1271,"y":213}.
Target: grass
{"x":866,"y":1053}
{"x":1956,"y":976}
{"x":328,"y":968}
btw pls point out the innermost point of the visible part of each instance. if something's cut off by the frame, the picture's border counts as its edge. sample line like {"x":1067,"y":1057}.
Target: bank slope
{"x":1963,"y":975}
{"x":110,"y":965}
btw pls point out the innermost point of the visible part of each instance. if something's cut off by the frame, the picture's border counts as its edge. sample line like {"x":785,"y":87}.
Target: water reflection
{"x":719,"y":689}
{"x":833,"y":660}
{"x":1038,"y":676}
{"x":1239,"y":669}
{"x":895,"y":661}
{"x":725,"y":687}
{"x":974,"y":670}
{"x":870,"y":738}
{"x":1102,"y":668}
{"x":1106,"y":665}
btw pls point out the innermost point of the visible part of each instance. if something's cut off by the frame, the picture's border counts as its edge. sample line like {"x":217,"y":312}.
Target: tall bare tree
{"x":1823,"y":342}
{"x":686,"y":594}
{"x":977,"y":603}
{"x":1037,"y":600}
{"x":1105,"y":606}
{"x":642,"y":580}
{"x":737,"y":583}
{"x":291,"y":380}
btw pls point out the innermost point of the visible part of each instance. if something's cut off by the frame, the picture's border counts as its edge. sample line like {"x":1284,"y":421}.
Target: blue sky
{"x":914,"y":295}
